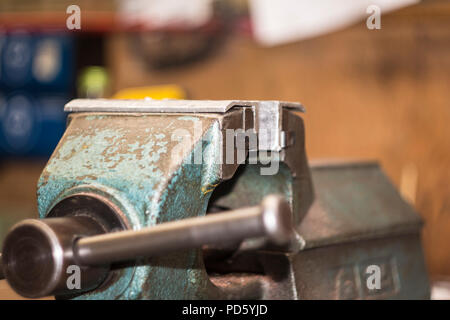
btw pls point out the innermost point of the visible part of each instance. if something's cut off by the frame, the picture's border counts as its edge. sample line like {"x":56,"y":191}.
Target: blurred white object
{"x":281,"y":21}
{"x":164,"y":13}
{"x":440,"y":290}
{"x":47,"y":60}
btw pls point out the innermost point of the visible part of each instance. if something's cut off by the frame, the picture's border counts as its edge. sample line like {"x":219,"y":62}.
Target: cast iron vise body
{"x":177,"y":199}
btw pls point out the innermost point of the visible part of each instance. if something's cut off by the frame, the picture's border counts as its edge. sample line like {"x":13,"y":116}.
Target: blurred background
{"x":372,"y":91}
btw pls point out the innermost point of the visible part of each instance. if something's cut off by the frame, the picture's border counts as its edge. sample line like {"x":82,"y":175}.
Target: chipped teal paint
{"x":182,"y":275}
{"x":129,"y":174}
{"x":95,"y":159}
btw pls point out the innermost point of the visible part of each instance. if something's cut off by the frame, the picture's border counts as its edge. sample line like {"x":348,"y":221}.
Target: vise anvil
{"x":132,"y":191}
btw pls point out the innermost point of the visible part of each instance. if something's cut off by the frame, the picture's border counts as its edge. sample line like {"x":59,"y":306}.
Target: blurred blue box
{"x":31,"y":125}
{"x":36,"y":61}
{"x":36,"y":80}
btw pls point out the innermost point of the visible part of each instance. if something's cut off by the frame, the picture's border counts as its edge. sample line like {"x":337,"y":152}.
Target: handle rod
{"x":272,"y":218}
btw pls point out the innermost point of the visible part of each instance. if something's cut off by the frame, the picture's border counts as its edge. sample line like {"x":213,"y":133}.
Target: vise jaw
{"x":132,"y":181}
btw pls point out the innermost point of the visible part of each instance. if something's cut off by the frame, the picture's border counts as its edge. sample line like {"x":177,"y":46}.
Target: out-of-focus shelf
{"x":92,"y":21}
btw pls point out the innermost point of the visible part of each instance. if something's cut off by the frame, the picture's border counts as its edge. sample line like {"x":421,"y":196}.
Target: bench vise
{"x":181,"y":199}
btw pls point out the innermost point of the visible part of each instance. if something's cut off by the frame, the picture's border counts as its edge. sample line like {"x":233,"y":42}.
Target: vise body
{"x":178,"y":199}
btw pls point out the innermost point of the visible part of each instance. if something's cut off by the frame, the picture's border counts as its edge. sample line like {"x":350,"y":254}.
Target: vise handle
{"x":36,"y":252}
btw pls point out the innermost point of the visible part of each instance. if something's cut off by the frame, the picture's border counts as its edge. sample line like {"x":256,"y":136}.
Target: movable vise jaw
{"x":177,"y":199}
{"x":126,"y":166}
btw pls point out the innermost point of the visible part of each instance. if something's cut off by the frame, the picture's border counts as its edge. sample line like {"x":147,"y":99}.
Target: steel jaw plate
{"x":267,"y":115}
